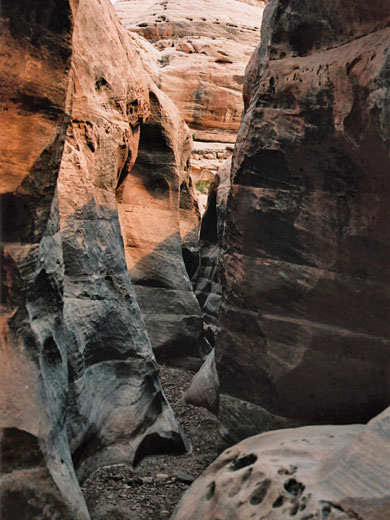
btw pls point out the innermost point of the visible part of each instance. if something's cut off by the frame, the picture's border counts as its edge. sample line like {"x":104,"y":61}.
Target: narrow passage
{"x":152,"y":490}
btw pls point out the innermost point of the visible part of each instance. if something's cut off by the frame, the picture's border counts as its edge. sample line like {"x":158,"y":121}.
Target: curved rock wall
{"x":159,"y":218}
{"x":78,"y":380}
{"x":304,"y":334}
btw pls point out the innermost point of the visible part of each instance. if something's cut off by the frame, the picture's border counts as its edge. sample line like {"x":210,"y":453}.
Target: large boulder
{"x":78,"y":380}
{"x":306,"y":265}
{"x":309,"y":473}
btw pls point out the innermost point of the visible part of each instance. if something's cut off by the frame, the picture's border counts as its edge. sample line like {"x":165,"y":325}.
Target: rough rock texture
{"x":309,"y":473}
{"x":160,"y":223}
{"x":206,"y":280}
{"x":198,"y":57}
{"x":201,"y":58}
{"x":306,"y":269}
{"x":78,"y":380}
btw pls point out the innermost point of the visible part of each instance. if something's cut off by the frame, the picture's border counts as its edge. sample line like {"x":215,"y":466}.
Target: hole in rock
{"x":260,"y":493}
{"x":154,"y":444}
{"x":211,"y":491}
{"x":293,"y":487}
{"x":242,"y":462}
{"x":278,"y":502}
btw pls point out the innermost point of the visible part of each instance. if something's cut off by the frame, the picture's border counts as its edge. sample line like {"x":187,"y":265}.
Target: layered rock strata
{"x":304,"y":322}
{"x":202,"y":54}
{"x":314,"y":472}
{"x":198,"y":57}
{"x":78,"y":379}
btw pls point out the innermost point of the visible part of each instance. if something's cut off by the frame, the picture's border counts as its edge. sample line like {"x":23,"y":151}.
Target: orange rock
{"x":75,"y":356}
{"x":160,"y":221}
{"x":202,"y":58}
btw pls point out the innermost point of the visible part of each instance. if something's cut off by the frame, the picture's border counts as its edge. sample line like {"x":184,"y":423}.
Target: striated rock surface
{"x":309,"y":473}
{"x":198,"y":57}
{"x":201,"y":58}
{"x":304,"y":322}
{"x":206,"y":280}
{"x":78,"y":380}
{"x":160,"y":222}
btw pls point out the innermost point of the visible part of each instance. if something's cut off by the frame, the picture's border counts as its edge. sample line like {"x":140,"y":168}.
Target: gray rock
{"x":79,"y":383}
{"x":185,"y":478}
{"x":204,"y":388}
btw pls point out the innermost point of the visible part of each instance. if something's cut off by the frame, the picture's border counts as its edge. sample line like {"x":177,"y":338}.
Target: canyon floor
{"x":152,"y":490}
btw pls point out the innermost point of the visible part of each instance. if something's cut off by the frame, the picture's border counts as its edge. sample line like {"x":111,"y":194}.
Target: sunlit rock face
{"x":160,"y":224}
{"x":201,"y":58}
{"x":313,"y":472}
{"x":197,"y":55}
{"x":78,"y":380}
{"x":304,"y":335}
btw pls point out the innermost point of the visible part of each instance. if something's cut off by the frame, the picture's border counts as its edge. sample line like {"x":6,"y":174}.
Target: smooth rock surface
{"x":204,"y":388}
{"x":78,"y":380}
{"x":160,"y":222}
{"x":306,"y":271}
{"x":309,"y":473}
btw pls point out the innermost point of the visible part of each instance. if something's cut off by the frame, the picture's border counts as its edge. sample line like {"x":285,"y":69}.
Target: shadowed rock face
{"x":160,"y":221}
{"x":314,"y":472}
{"x":304,"y":322}
{"x":206,"y":280}
{"x":78,"y":380}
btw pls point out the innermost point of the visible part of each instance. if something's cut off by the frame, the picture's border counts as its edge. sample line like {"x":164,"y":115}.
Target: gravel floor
{"x":152,"y":490}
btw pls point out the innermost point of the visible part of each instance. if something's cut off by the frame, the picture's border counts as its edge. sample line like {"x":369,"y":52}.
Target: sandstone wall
{"x":202,"y":56}
{"x":159,"y":219}
{"x":78,"y":380}
{"x":304,"y":334}
{"x":198,"y":57}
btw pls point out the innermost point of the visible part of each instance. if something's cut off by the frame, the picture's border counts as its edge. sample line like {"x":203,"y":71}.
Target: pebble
{"x":162,"y":476}
{"x":186,"y":478}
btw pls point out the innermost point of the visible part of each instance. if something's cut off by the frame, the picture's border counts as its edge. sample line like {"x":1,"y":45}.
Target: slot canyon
{"x":195,"y":260}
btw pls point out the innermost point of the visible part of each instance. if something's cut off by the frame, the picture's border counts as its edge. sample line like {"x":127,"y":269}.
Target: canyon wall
{"x":304,"y":328}
{"x":198,"y":57}
{"x":78,"y":379}
{"x":206,"y":280}
{"x":160,"y":223}
{"x":201,"y":56}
